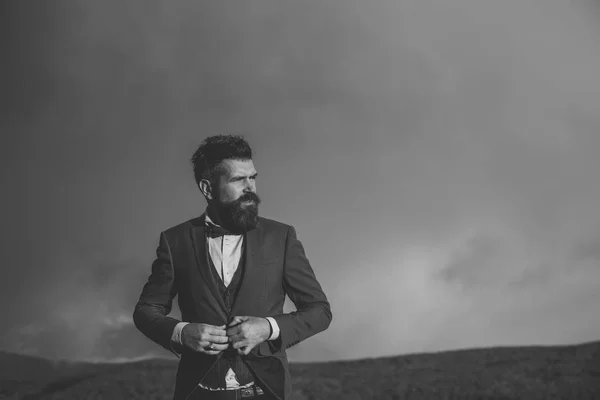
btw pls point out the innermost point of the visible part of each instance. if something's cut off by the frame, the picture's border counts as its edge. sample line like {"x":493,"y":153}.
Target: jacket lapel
{"x":252,"y":281}
{"x":201,"y":253}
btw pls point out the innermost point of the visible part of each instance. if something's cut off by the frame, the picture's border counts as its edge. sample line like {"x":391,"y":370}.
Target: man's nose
{"x":250,"y":186}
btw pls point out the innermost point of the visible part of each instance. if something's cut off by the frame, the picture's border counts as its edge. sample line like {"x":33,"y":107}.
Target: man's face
{"x":234,"y":195}
{"x":238,"y":177}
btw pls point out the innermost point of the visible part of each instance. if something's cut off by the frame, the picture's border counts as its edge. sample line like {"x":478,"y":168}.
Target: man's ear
{"x":206,"y":189}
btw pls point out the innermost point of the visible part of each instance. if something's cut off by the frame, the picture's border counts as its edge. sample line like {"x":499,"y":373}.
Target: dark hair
{"x":213,"y":150}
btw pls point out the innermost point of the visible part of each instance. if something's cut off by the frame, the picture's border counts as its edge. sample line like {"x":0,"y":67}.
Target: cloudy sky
{"x":439,"y":161}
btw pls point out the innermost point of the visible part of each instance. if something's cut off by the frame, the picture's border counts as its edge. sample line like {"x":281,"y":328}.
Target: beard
{"x":237,"y":217}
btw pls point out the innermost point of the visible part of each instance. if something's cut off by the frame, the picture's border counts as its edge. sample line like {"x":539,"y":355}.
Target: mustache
{"x":250,"y":196}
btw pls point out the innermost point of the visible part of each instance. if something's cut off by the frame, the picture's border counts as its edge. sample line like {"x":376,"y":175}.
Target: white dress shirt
{"x":225,"y":252}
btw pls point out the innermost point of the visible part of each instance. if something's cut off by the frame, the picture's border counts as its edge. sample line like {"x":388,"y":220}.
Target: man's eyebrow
{"x":238,"y":177}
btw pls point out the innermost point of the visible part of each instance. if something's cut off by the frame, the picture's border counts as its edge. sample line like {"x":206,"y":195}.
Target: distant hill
{"x":531,"y":372}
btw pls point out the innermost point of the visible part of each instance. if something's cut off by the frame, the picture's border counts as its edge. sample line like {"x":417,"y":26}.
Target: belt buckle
{"x":251,"y":391}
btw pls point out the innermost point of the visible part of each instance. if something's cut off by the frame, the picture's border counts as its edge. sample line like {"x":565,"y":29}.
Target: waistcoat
{"x":228,"y":358}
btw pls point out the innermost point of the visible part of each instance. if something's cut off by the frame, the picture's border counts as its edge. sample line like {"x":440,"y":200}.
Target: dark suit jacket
{"x":275,"y":266}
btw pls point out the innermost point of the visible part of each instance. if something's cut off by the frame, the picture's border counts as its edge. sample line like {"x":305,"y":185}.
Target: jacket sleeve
{"x":155,"y":302}
{"x":313,"y":311}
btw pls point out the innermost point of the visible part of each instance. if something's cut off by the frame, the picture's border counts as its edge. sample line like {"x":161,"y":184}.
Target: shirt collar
{"x":207,"y":219}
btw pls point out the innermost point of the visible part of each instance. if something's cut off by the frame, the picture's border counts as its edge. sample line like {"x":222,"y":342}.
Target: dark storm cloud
{"x":454,"y":145}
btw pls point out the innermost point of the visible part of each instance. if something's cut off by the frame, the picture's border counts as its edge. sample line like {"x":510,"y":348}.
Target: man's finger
{"x":218,"y":339}
{"x":202,"y":344}
{"x":216,"y":330}
{"x":234,"y":331}
{"x":236,"y":338}
{"x":203,"y":347}
{"x":238,"y":319}
{"x":219,"y":347}
{"x":210,"y":352}
{"x":245,"y":350}
{"x":240,"y":343}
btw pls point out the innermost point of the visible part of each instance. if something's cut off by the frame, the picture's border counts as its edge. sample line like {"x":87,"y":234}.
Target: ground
{"x":533,"y":372}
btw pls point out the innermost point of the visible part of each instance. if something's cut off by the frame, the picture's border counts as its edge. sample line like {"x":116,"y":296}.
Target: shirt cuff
{"x":176,"y":335}
{"x":274,"y":328}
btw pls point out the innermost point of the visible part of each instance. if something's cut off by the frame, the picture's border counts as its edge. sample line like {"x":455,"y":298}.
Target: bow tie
{"x":214,"y":231}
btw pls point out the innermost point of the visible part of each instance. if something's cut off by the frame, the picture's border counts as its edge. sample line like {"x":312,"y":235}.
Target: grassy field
{"x":534,"y":372}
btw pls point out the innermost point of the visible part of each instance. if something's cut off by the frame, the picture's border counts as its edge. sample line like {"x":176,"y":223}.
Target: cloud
{"x":438,"y":159}
{"x":447,"y":296}
{"x":89,"y":316}
{"x":108,"y":342}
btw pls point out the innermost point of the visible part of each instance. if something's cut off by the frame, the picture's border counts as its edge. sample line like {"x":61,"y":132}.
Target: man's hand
{"x":245,"y":333}
{"x":199,"y":337}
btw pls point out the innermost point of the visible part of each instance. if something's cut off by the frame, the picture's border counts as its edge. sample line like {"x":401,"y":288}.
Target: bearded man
{"x":231,"y":270}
